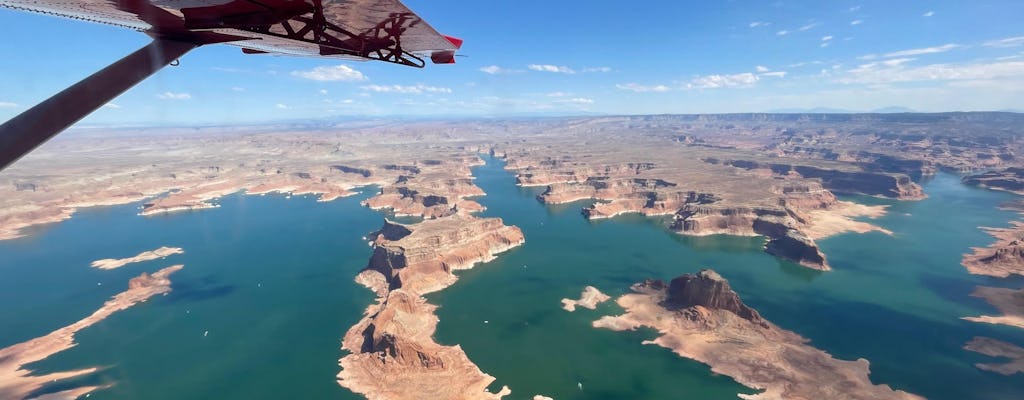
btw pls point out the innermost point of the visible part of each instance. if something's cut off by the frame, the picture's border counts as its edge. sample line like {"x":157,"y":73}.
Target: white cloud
{"x":762,"y":68}
{"x":720,"y":81}
{"x":1007,"y":42}
{"x":824,"y":44}
{"x":494,"y":70}
{"x":782,"y":32}
{"x":551,"y":68}
{"x":281,"y":106}
{"x":558,"y":94}
{"x":928,"y":14}
{"x":826,"y":38}
{"x":577,"y":100}
{"x":111,"y":106}
{"x":348,"y":101}
{"x":809,"y":26}
{"x":925,"y":50}
{"x":633,"y":87}
{"x":414,"y":89}
{"x":237,"y":88}
{"x":337,"y":73}
{"x":322,"y":91}
{"x":174,"y":96}
{"x":7,"y":104}
{"x":897,"y":70}
{"x":856,"y":22}
{"x":775,"y":74}
{"x":756,"y":24}
{"x":852,"y":9}
{"x":597,"y":69}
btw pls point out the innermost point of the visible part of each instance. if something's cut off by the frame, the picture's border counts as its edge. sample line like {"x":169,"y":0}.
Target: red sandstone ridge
{"x":393,"y":354}
{"x":702,"y":318}
{"x":1002,"y":258}
{"x":17,"y":382}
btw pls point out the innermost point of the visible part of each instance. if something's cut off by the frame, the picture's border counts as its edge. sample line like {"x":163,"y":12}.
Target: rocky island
{"x":589,"y":298}
{"x":112,"y":263}
{"x":700,"y":317}
{"x":16,"y":382}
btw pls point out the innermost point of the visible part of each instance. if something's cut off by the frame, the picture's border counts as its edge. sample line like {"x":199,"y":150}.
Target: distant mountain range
{"x":827,"y":110}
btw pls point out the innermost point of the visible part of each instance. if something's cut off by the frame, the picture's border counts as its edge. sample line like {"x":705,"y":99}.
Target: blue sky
{"x":569,"y":57}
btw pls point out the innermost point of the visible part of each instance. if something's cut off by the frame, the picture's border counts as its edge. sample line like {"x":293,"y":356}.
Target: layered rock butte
{"x":702,"y":318}
{"x":392,"y":352}
{"x":16,"y":382}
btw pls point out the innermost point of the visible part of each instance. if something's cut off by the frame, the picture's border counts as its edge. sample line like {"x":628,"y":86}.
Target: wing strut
{"x":38,"y":124}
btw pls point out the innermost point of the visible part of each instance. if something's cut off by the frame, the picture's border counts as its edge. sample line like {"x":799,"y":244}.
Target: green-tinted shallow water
{"x":271,"y":280}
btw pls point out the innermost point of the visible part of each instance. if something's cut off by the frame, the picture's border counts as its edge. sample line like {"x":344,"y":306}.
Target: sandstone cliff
{"x":393,"y":354}
{"x":1009,"y":179}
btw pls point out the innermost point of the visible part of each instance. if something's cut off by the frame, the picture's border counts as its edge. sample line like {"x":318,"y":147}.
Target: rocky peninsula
{"x":16,"y":382}
{"x":1002,"y":258}
{"x":112,"y":263}
{"x":700,"y":317}
{"x":1010,"y":302}
{"x":392,"y":353}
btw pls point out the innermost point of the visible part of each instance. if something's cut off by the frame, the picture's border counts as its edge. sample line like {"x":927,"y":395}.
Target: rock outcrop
{"x":589,"y":298}
{"x":997,"y":348}
{"x":784,"y":238}
{"x":393,"y":354}
{"x":701,"y":317}
{"x":1001,"y":259}
{"x":709,"y":290}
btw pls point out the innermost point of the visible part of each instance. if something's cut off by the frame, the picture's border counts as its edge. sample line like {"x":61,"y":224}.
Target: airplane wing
{"x":384,"y":30}
{"x":380,"y":30}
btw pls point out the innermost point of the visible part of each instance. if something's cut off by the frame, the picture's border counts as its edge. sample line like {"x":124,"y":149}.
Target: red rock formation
{"x":393,"y":354}
{"x":701,"y":318}
{"x":708,"y":289}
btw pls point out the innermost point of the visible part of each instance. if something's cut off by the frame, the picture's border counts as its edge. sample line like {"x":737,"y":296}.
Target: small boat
{"x":206,"y":333}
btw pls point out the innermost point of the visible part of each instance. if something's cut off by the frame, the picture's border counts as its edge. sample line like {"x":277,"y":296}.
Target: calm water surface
{"x":271,"y":280}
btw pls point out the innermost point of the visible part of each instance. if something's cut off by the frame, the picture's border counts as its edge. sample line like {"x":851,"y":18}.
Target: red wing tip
{"x":443,"y":57}
{"x":455,"y":41}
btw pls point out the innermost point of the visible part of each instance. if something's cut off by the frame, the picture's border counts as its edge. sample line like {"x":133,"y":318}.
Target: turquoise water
{"x":271,"y":280}
{"x":894,"y":300}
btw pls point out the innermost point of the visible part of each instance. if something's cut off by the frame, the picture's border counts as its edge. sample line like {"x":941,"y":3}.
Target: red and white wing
{"x":384,"y":30}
